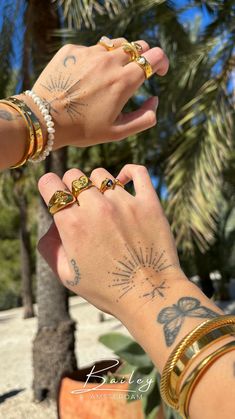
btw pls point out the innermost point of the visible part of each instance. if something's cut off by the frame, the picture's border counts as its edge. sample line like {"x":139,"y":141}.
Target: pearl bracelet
{"x":43,"y":107}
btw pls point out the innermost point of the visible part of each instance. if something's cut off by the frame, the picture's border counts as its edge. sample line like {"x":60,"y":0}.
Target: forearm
{"x":215,"y":391}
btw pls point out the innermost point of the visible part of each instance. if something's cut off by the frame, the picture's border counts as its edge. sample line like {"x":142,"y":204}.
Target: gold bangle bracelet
{"x":29,"y":149}
{"x":38,"y":135}
{"x":201,"y":330}
{"x":188,"y":357}
{"x":35,"y":140}
{"x":192,"y":380}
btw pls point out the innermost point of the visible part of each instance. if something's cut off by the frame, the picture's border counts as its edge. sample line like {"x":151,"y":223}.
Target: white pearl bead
{"x":45,"y":111}
{"x":51,"y":130}
{"x":48,"y":118}
{"x":51,"y":136}
{"x":50,"y":124}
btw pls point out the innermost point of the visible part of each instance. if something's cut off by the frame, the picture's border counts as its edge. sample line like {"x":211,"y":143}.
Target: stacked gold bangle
{"x":195,"y":343}
{"x":35,"y":141}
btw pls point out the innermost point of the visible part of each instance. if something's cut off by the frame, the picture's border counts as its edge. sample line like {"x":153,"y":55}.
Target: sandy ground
{"x":16,"y":336}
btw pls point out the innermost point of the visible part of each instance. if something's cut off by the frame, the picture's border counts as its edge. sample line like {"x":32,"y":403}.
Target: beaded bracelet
{"x":43,"y":107}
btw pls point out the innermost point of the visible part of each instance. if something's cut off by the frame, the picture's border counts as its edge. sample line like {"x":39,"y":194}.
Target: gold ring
{"x":144,"y":64}
{"x":81,"y":184}
{"x":107,"y":43}
{"x":132,"y":49}
{"x":60,"y":200}
{"x":110,"y":184}
{"x":137,"y":46}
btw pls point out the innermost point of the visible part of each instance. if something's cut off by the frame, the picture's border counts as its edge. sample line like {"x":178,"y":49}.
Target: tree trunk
{"x":25,"y":253}
{"x":53,"y":348}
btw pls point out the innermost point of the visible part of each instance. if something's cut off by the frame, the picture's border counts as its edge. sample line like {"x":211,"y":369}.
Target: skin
{"x":117,"y":251}
{"x":87,"y":89}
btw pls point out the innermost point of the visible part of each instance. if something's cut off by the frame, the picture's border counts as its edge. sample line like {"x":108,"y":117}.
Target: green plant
{"x":135,"y":363}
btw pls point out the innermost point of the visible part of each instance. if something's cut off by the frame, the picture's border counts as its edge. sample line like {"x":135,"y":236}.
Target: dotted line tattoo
{"x":77,"y":277}
{"x":124,"y":278}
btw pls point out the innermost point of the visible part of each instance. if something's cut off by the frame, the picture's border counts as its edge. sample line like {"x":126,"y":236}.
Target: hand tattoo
{"x":135,"y":259}
{"x":63,"y":88}
{"x":7,"y":116}
{"x":77,"y":274}
{"x":173,"y":317}
{"x":70,"y":58}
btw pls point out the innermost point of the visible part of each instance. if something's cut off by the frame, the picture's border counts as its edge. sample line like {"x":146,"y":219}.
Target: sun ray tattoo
{"x":63,"y":88}
{"x":123,"y":277}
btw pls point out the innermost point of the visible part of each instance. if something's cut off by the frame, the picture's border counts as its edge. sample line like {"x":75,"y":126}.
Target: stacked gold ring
{"x":133,"y":49}
{"x":63,"y":199}
{"x":145,"y":65}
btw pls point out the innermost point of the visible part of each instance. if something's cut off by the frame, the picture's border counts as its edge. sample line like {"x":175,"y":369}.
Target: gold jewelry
{"x":35,"y":138}
{"x":201,"y":330}
{"x":60,"y":200}
{"x":145,"y":65}
{"x":107,"y":184}
{"x":137,"y":46}
{"x":188,"y":356}
{"x":190,"y":383}
{"x":118,"y":183}
{"x":131,"y":49}
{"x":110,"y":184}
{"x":81,"y":184}
{"x":107,"y":43}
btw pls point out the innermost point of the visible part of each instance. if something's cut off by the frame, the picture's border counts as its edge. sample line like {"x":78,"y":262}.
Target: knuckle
{"x":145,"y":45}
{"x":140,"y":169}
{"x":151,"y":118}
{"x":46,"y":179}
{"x":96,"y":172}
{"x":71,"y":173}
{"x":159,"y":53}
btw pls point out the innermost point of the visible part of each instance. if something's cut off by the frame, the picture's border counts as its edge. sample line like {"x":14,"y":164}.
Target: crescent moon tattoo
{"x":70,"y":58}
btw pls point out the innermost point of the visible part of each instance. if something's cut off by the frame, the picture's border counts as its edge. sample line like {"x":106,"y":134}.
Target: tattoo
{"x":64,"y":89}
{"x":134,"y":260}
{"x":7,"y":116}
{"x":71,"y":58}
{"x":77,"y":274}
{"x":173,"y":317}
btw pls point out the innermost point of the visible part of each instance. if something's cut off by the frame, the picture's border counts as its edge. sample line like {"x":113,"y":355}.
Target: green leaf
{"x":115,"y":341}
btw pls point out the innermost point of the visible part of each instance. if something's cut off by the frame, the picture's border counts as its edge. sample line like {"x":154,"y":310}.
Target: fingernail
{"x":156,"y":102}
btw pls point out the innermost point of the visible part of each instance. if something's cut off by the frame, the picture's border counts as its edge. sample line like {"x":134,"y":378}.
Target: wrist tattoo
{"x":173,"y":317}
{"x":135,"y":259}
{"x":77,"y":276}
{"x":8,"y":116}
{"x":70,"y":59}
{"x":64,"y":89}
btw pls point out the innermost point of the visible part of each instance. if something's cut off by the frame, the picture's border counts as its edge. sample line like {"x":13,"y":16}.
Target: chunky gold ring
{"x":131,"y":49}
{"x":137,"y":46}
{"x":107,"y":43}
{"x":110,"y":184}
{"x":60,"y":200}
{"x":144,"y":64}
{"x":81,"y":184}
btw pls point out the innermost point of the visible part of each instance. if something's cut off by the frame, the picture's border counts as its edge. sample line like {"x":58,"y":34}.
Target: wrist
{"x":158,"y":338}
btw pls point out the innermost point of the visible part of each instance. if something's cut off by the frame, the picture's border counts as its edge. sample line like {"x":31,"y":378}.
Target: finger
{"x":51,"y":249}
{"x":99,"y":175}
{"x":141,"y":180}
{"x":137,"y":121}
{"x":123,"y":57}
{"x":85,"y":195}
{"x":50,"y":183}
{"x":158,"y":61}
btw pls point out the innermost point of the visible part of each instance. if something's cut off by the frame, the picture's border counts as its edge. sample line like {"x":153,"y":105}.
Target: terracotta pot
{"x":109,"y":402}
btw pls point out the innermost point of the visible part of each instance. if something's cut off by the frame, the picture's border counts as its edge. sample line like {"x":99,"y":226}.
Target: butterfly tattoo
{"x":173,"y":317}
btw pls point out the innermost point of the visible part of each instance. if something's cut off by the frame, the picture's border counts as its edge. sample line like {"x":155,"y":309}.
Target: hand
{"x":87,"y":88}
{"x":115,"y":250}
